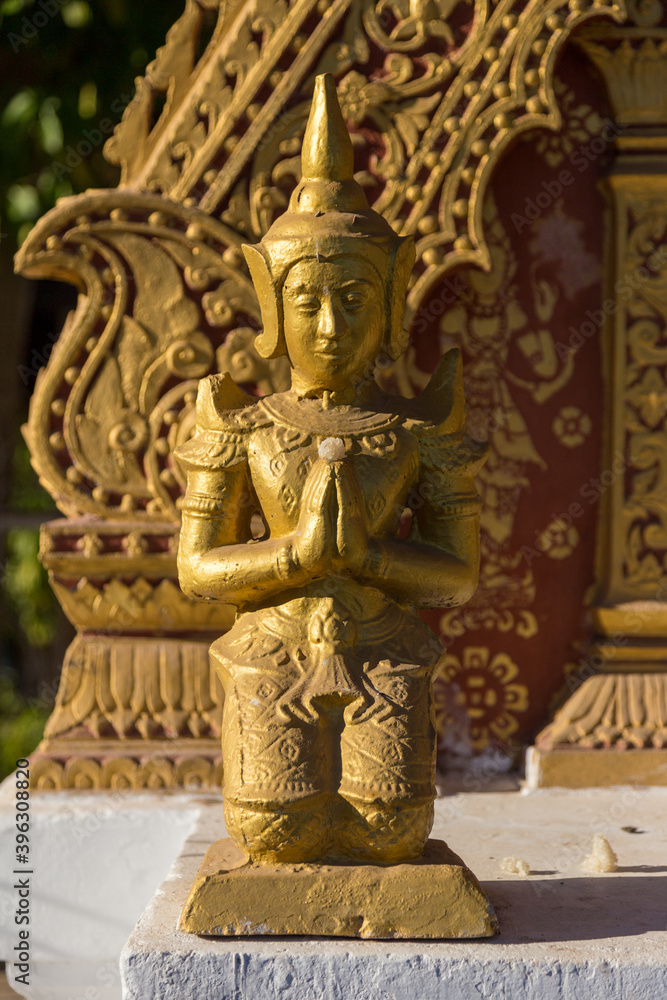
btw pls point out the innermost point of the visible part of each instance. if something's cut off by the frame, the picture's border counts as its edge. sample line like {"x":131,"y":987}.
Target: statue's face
{"x":334,"y":321}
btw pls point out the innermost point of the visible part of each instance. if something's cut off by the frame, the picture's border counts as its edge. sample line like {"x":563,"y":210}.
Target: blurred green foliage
{"x":27,"y":590}
{"x":21,"y":722}
{"x":32,"y":619}
{"x":25,"y":492}
{"x":65,"y":65}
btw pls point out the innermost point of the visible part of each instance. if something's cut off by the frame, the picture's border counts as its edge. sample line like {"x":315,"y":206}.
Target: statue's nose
{"x":332,"y":323}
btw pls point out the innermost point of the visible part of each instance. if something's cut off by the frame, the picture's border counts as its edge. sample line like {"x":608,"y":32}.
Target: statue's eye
{"x":353,"y":300}
{"x":308,"y":304}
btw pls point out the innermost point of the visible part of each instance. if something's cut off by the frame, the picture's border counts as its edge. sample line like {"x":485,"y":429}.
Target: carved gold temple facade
{"x":434,"y":96}
{"x":620,"y":710}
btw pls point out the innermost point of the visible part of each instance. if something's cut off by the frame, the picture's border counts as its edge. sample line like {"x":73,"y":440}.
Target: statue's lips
{"x":334,"y":352}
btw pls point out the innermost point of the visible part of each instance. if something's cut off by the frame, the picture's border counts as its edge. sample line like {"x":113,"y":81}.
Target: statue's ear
{"x":403,"y":262}
{"x":270,"y":342}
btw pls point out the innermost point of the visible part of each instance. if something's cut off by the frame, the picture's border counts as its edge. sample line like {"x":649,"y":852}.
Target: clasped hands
{"x":332,"y":533}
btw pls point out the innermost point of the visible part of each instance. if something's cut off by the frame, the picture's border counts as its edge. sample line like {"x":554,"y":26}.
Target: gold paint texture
{"x":328,"y":736}
{"x":434,"y":897}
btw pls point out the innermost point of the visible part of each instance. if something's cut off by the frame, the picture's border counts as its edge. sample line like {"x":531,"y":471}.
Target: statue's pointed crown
{"x":328,"y":201}
{"x":326,"y":153}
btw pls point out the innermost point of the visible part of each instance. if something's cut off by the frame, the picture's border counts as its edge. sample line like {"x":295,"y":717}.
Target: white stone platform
{"x":97,"y":858}
{"x":565,"y":934}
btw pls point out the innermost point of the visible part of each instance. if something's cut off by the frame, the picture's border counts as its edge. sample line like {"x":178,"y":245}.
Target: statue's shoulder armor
{"x":437,"y":419}
{"x":226,"y":415}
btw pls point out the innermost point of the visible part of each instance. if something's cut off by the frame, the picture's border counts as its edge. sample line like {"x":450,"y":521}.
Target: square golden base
{"x":434,"y":897}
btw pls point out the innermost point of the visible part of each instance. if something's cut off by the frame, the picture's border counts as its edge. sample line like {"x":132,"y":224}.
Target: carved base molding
{"x":133,"y":712}
{"x":138,"y":705}
{"x":622,"y":711}
{"x":60,"y":764}
{"x":572,"y":767}
{"x":613,"y":729}
{"x":137,"y":688}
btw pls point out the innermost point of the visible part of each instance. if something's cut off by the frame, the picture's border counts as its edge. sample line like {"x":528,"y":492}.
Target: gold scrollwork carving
{"x":457,"y":82}
{"x":623,"y":705}
{"x":645,"y":397}
{"x":102,"y":392}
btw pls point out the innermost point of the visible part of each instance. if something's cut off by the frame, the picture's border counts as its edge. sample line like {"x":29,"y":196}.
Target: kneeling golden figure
{"x":328,"y":734}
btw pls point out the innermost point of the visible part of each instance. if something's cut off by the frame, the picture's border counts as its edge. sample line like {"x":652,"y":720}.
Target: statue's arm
{"x":437,"y":565}
{"x":217,"y":560}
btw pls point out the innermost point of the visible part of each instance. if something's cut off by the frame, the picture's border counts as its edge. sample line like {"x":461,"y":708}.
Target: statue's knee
{"x":385,"y":831}
{"x":280,"y":832}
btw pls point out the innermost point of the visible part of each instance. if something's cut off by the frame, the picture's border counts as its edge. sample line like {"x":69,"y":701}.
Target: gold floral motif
{"x":636,"y":74}
{"x":648,"y":397}
{"x":644,"y":398}
{"x":571,"y":426}
{"x":559,"y":540}
{"x":580,"y":124}
{"x":456,"y":623}
{"x":487,"y":688}
{"x":238,"y":356}
{"x":487,"y":320}
{"x":359,"y":96}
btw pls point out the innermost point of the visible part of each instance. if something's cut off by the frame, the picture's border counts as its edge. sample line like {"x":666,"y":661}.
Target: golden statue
{"x":328,"y":732}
